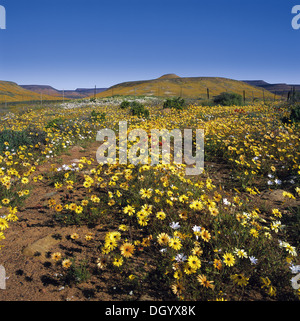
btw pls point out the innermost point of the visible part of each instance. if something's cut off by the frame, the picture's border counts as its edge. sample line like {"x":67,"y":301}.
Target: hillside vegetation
{"x":11,"y":92}
{"x":194,"y":87}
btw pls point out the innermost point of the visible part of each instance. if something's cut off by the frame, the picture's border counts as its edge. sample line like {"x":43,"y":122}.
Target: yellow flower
{"x":229,"y":259}
{"x":56,"y":256}
{"x":24,"y":180}
{"x":118,"y":261}
{"x":188,"y":269}
{"x":177,"y":288}
{"x":146,"y":193}
{"x":89,"y":236}
{"x":84,"y":202}
{"x":240,"y":279}
{"x":87,"y":184}
{"x":110,"y":244}
{"x":74,"y":236}
{"x":161,"y":215}
{"x":204,"y":282}
{"x":111,"y":203}
{"x":127,"y":249}
{"x":114,"y":236}
{"x":194,"y":262}
{"x":3,"y":224}
{"x":205,"y":235}
{"x":217,"y":264}
{"x":66,"y":263}
{"x":123,"y":227}
{"x":79,"y":209}
{"x":72,"y":206}
{"x":163,"y":239}
{"x":58,"y":208}
{"x":175,"y":243}
{"x":129,"y":210}
{"x":102,"y":262}
{"x":5,"y":201}
{"x":213,"y":211}
{"x":254,"y":232}
{"x":196,"y":205}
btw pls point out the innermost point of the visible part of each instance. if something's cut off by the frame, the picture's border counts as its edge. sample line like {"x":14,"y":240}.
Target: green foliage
{"x":56,"y":123}
{"x":294,"y":115}
{"x":97,"y":116}
{"x":125,"y":104}
{"x":77,"y":273}
{"x":13,"y":139}
{"x":138,"y":109}
{"x":228,"y":99}
{"x":177,"y":103}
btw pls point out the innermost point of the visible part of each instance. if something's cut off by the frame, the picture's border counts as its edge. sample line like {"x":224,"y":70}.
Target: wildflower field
{"x":73,"y":229}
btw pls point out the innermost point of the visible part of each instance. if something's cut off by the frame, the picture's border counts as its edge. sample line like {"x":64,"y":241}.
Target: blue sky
{"x":73,"y":43}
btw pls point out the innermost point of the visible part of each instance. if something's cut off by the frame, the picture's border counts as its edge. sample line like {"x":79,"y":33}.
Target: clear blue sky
{"x":74,"y":43}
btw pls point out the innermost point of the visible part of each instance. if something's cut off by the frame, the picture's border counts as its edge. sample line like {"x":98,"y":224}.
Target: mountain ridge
{"x":12,"y":92}
{"x":278,"y":88}
{"x":72,"y":94}
{"x":194,"y":87}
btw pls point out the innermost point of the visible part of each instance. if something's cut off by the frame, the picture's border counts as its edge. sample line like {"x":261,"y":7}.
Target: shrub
{"x":97,"y":116}
{"x":138,"y":109}
{"x":125,"y":104}
{"x":56,"y":123}
{"x":228,"y":99}
{"x":177,"y":103}
{"x":294,"y":115}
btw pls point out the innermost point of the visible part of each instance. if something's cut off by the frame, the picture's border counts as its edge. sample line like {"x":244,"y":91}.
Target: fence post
{"x":207,"y":93}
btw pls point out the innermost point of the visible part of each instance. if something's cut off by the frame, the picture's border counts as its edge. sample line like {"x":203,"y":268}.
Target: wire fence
{"x":204,"y":94}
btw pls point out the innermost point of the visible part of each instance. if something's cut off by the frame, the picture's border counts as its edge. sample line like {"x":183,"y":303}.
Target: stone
{"x":40,"y":247}
{"x":76,"y":149}
{"x":48,"y":195}
{"x":275,"y":196}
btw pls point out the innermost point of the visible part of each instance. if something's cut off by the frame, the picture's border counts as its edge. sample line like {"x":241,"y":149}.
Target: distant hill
{"x":72,"y":94}
{"x":11,"y":92}
{"x":168,"y":76}
{"x":280,"y":89}
{"x":193,"y":87}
